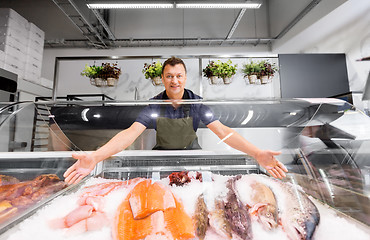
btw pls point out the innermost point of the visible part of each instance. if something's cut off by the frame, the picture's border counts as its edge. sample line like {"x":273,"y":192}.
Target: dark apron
{"x":176,"y":134}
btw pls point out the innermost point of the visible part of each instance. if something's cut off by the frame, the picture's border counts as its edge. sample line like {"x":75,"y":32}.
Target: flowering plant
{"x":110,"y":71}
{"x":152,"y":70}
{"x":105,"y":71}
{"x":210,"y":70}
{"x":220,"y":69}
{"x":267,"y":69}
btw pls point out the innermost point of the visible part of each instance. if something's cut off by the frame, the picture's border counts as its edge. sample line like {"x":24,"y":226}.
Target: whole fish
{"x":236,"y":213}
{"x":301,"y":216}
{"x":218,"y":221}
{"x":201,"y":217}
{"x":298,"y":214}
{"x":260,"y":200}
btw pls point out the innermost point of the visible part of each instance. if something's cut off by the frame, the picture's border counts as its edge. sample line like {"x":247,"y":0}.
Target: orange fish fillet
{"x":147,"y":198}
{"x":179,"y":223}
{"x":126,"y":227}
{"x":158,"y":213}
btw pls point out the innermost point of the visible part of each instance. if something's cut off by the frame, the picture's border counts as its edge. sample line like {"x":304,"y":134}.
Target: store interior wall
{"x":344,"y":30}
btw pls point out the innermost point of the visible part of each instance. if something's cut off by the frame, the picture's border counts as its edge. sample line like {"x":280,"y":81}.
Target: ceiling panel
{"x":131,"y":27}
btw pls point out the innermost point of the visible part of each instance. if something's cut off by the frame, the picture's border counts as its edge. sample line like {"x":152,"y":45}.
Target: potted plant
{"x":110,"y":73}
{"x":92,"y":72}
{"x":251,"y":71}
{"x":267,"y":71}
{"x":211,"y":72}
{"x":105,"y":75}
{"x":226,"y":70}
{"x":153,"y":71}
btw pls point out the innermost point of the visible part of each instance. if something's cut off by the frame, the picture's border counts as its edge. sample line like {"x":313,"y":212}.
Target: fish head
{"x":267,"y":216}
{"x":302,"y":228}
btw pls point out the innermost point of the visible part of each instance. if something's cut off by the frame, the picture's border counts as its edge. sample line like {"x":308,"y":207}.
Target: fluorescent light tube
{"x":128,"y":5}
{"x":218,"y":5}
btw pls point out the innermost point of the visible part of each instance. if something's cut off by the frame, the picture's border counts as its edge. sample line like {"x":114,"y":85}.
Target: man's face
{"x":174,"y":79}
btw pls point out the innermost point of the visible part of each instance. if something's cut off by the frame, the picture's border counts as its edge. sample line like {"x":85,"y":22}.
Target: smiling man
{"x":176,"y":125}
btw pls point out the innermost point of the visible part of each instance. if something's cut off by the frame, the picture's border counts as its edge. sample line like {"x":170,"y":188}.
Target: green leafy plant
{"x":251,"y":68}
{"x":152,"y":70}
{"x":219,"y":69}
{"x":91,"y":71}
{"x":226,"y":69}
{"x":106,"y":70}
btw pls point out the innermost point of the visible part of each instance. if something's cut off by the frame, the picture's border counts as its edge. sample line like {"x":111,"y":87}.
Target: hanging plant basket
{"x":105,"y":75}
{"x":100,"y":82}
{"x":214,"y":80}
{"x":252,"y":79}
{"x":228,"y":80}
{"x":157,"y":81}
{"x":111,"y":82}
{"x":264,"y":79}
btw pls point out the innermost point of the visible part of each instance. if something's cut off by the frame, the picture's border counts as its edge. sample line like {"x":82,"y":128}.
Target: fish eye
{"x":268,"y":214}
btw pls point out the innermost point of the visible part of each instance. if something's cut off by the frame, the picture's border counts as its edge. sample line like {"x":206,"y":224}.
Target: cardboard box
{"x":8,"y":13}
{"x":35,"y":32}
{"x":34,"y":53}
{"x":15,"y":53}
{"x":14,"y":32}
{"x":2,"y":56}
{"x":15,"y":61}
{"x":8,"y":41}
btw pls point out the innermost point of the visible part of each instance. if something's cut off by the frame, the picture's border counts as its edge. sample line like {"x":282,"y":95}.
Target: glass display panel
{"x":323,"y":143}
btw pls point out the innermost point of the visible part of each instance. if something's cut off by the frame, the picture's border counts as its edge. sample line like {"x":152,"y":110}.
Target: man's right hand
{"x":80,"y":169}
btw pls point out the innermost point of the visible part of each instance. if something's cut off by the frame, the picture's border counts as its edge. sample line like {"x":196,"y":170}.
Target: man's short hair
{"x":173,"y":61}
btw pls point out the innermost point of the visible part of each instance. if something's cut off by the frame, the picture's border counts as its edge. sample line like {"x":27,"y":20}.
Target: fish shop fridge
{"x":323,"y":142}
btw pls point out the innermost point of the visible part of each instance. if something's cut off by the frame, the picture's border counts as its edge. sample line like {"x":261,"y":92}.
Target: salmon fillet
{"x":147,"y":198}
{"x":157,"y":211}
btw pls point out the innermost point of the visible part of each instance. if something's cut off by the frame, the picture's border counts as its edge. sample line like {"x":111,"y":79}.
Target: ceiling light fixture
{"x":128,"y":5}
{"x":142,"y":5}
{"x":253,"y":5}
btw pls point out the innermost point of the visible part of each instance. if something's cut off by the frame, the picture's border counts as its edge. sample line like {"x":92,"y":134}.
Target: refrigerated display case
{"x":323,"y":142}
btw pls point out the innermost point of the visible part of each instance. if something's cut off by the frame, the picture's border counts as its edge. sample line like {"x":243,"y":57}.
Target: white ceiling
{"x":168,"y":27}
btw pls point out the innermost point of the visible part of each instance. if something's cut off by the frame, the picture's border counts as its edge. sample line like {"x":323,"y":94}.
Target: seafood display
{"x":298,"y":214}
{"x":6,"y":180}
{"x":151,"y":210}
{"x":222,"y":207}
{"x":201,"y":221}
{"x":17,"y":196}
{"x":261,"y":202}
{"x":237,"y":214}
{"x":183,"y":177}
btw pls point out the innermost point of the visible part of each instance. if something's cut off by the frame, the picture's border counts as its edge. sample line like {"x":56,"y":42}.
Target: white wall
{"x":344,"y":30}
{"x":248,"y":50}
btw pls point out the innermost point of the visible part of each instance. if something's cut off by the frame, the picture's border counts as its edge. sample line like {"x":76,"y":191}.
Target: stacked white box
{"x":35,"y":48}
{"x":22,"y":43}
{"x":13,"y":30}
{"x":8,"y":13}
{"x":2,"y":59}
{"x":13,"y":40}
{"x":15,"y":61}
